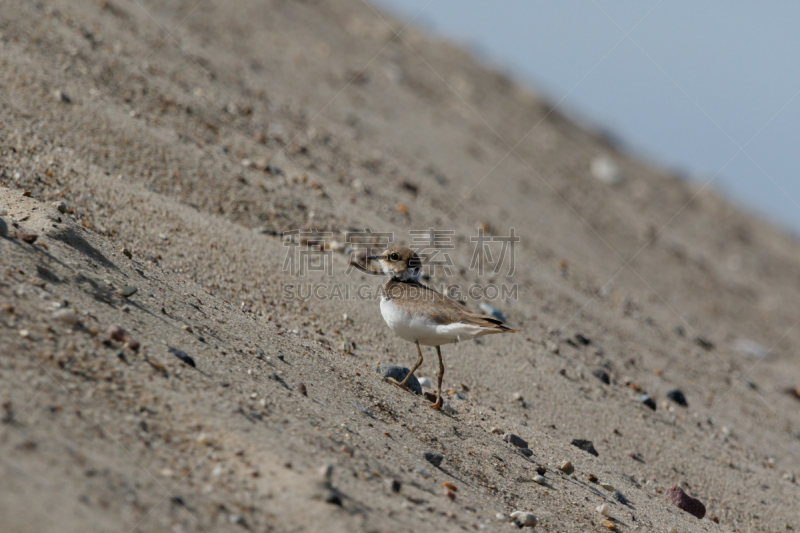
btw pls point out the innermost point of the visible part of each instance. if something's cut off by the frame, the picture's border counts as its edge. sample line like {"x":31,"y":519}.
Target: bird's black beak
{"x":373,"y":257}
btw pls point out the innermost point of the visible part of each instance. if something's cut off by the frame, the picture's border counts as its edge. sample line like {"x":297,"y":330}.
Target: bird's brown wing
{"x":417,"y":298}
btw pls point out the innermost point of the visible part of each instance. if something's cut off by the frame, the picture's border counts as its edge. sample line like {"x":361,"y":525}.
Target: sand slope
{"x":191,"y":134}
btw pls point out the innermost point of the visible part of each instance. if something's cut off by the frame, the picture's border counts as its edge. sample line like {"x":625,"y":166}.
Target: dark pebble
{"x":301,"y":388}
{"x":183,"y":357}
{"x":394,"y":485}
{"x":586,"y":341}
{"x":333,"y":498}
{"x":541,"y":470}
{"x":434,"y":458}
{"x":585,"y":445}
{"x":678,"y":397}
{"x":602,"y":375}
{"x":517,"y":441}
{"x":619,"y":497}
{"x":704,"y":343}
{"x":399,"y":373}
{"x":648,"y":401}
{"x":527,"y":452}
{"x":117,"y":333}
{"x":683,"y":501}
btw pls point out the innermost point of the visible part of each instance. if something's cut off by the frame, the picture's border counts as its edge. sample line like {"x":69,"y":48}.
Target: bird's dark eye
{"x":394,"y":257}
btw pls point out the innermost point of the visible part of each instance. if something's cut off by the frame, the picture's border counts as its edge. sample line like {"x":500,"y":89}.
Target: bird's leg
{"x":403,"y":384}
{"x":438,"y":404}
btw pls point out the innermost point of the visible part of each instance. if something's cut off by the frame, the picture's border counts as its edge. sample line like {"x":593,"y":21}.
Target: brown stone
{"x":683,"y":501}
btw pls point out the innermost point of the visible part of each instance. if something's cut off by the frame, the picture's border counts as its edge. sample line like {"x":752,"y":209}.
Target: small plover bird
{"x":424,"y":316}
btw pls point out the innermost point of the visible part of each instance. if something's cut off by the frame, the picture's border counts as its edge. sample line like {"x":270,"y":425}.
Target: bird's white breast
{"x":420,"y":328}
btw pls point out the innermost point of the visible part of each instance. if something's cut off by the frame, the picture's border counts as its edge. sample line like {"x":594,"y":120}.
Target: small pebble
{"x":602,"y":375}
{"x":62,"y":97}
{"x":67,"y":316}
{"x":608,"y":524}
{"x":61,"y":206}
{"x":116,"y":333}
{"x":183,"y":357}
{"x":648,"y":401}
{"x":585,"y":445}
{"x":619,"y":497}
{"x":187,"y":328}
{"x":128,"y":290}
{"x":672,"y":530}
{"x":517,"y":441}
{"x":423,"y":472}
{"x":333,"y":498}
{"x":678,"y":397}
{"x":424,"y":383}
{"x":398,"y":373}
{"x":127,"y":253}
{"x":567,"y":468}
{"x":492,"y":311}
{"x":524,"y":518}
{"x":527,"y":452}
{"x":450,"y":494}
{"x":501,"y":517}
{"x":608,"y":486}
{"x":496,"y":431}
{"x":434,"y":458}
{"x":603,"y":509}
{"x":448,"y":485}
{"x":541,"y":470}
{"x":29,"y":238}
{"x":301,"y":388}
{"x":676,"y":496}
{"x":592,"y":478}
{"x":605,"y":170}
{"x":394,"y":485}
{"x":539,"y":479}
{"x":326,"y":471}
{"x":3,"y":228}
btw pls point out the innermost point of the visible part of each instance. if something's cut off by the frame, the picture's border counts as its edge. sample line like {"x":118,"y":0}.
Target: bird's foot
{"x":438,"y":404}
{"x":395,"y":382}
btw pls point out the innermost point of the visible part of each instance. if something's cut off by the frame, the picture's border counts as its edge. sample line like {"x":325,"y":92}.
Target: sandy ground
{"x":184,"y":137}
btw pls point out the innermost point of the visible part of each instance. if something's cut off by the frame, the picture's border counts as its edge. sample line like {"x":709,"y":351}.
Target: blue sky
{"x":708,"y":88}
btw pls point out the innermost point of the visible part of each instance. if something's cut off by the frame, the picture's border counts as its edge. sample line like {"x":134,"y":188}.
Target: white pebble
{"x":604,"y":169}
{"x":603,"y":509}
{"x":524,"y":518}
{"x":501,"y":517}
{"x":539,"y":479}
{"x":425,"y":383}
{"x":67,"y":316}
{"x":422,"y":472}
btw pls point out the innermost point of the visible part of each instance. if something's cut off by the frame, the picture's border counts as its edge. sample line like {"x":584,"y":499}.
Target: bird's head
{"x":400,"y":262}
